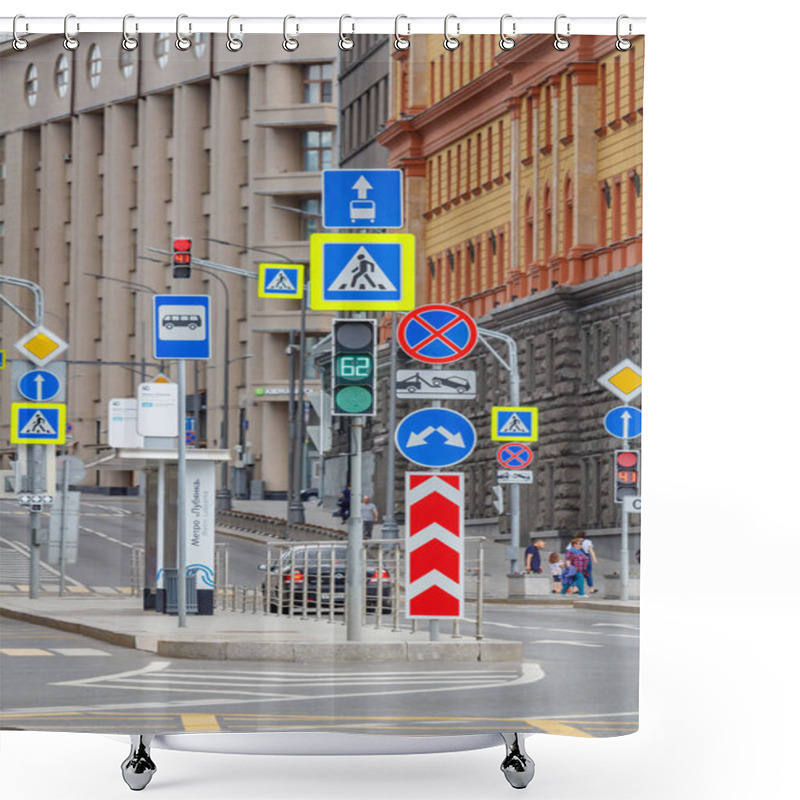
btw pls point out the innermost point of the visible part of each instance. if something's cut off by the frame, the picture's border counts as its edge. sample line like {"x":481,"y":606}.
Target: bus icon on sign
{"x":362,"y":209}
{"x":190,"y":321}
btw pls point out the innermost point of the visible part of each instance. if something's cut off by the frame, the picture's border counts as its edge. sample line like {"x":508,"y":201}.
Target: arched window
{"x":31,"y":84}
{"x":62,"y":75}
{"x":126,"y":62}
{"x":528,"y":255}
{"x":94,"y":66}
{"x":548,"y":221}
{"x":568,"y":208}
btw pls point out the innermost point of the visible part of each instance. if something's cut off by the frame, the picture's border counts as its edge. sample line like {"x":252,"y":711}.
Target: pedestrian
{"x":533,"y":559}
{"x":571,"y":576}
{"x":369,"y":515}
{"x":344,"y":504}
{"x":580,"y":561}
{"x":556,"y":566}
{"x":588,"y":547}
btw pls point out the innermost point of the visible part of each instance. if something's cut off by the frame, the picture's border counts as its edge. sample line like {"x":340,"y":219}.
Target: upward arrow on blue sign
{"x":362,"y":198}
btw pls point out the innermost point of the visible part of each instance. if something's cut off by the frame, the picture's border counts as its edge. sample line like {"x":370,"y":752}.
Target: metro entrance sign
{"x":437,"y":334}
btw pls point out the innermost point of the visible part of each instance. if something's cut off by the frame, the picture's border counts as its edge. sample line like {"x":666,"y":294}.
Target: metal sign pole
{"x":355,"y":551}
{"x":35,"y":458}
{"x":181,"y":533}
{"x":389,"y":527}
{"x":62,"y":559}
{"x":624,"y":568}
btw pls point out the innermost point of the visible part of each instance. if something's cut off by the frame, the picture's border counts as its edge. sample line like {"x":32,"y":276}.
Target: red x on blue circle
{"x":437,"y":334}
{"x":515,"y":455}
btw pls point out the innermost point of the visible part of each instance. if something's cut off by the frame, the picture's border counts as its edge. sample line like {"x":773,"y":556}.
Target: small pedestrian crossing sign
{"x":362,"y":272}
{"x":38,"y":423}
{"x":515,"y":424}
{"x":280,"y":280}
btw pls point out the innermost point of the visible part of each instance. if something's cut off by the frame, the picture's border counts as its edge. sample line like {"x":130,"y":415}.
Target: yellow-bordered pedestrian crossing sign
{"x":38,"y":423}
{"x":362,"y":271}
{"x":515,"y":423}
{"x":280,"y":280}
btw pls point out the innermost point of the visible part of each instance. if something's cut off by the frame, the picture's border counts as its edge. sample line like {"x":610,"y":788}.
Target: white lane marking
{"x":79,"y":651}
{"x":106,"y":536}
{"x":25,"y":550}
{"x":153,"y":666}
{"x":565,"y":641}
{"x":615,"y":625}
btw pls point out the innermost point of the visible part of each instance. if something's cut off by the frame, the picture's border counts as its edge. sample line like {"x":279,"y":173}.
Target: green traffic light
{"x":353,"y":400}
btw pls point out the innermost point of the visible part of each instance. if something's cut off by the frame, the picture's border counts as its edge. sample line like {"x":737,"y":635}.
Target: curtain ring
{"x":18,"y":43}
{"x":70,"y":42}
{"x":233,"y":44}
{"x":401,"y":42}
{"x":289,"y":44}
{"x":623,"y":44}
{"x":560,"y":43}
{"x":450,"y":42}
{"x":345,"y":42}
{"x":506,"y":42}
{"x":128,"y":42}
{"x":181,"y":42}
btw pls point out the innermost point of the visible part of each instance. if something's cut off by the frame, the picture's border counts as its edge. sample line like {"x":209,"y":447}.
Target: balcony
{"x":301,"y":184}
{"x":305,"y":115}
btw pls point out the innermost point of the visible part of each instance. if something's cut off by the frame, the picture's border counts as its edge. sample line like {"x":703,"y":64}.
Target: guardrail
{"x":274,"y":527}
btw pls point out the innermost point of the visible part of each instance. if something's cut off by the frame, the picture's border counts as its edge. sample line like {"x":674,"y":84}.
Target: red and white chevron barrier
{"x":435,"y":545}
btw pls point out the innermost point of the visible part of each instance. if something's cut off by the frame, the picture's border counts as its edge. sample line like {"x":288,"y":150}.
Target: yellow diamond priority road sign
{"x":41,"y":346}
{"x":624,"y":380}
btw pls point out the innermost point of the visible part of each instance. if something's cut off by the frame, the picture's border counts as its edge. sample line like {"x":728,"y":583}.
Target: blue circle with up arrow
{"x":624,"y":422}
{"x":39,"y":385}
{"x":435,"y":437}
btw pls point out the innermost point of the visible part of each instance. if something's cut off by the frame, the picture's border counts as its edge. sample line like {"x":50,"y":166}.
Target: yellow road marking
{"x":22,"y":651}
{"x":200,"y":722}
{"x":559,"y":728}
{"x":78,"y":590}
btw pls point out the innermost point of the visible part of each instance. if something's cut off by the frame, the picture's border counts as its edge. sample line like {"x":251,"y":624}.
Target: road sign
{"x":437,"y":334}
{"x":624,"y":422}
{"x":280,"y":280}
{"x":2,"y":359}
{"x":38,"y":423}
{"x":515,"y":423}
{"x":514,"y":476}
{"x":181,"y":324}
{"x":514,"y":455}
{"x":632,"y":505}
{"x":122,"y":431}
{"x":41,"y":346}
{"x":624,"y":380}
{"x":435,"y":437}
{"x":362,"y":272}
{"x":157,"y":409}
{"x":76,"y":469}
{"x":434,"y":545}
{"x":191,"y":431}
{"x":362,"y":198}
{"x":429,"y":384}
{"x":39,"y":385}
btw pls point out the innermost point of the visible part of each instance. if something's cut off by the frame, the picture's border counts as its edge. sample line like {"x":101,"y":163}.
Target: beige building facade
{"x":107,"y":153}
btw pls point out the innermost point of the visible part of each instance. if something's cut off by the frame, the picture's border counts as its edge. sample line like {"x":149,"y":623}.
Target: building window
{"x":62,"y":75}
{"x":310,"y":219}
{"x":125,"y":62}
{"x":94,"y":66}
{"x":31,"y":84}
{"x":199,"y":44}
{"x":161,"y":49}
{"x":317,"y":148}
{"x":318,"y":83}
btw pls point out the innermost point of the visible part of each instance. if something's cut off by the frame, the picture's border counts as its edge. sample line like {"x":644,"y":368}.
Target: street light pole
{"x":389,"y":529}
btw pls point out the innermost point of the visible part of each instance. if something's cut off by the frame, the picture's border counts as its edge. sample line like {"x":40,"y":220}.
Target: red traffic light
{"x":182,"y":245}
{"x":627,"y":458}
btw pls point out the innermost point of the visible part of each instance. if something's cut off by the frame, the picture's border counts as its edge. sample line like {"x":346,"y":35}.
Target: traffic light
{"x":354,"y":367}
{"x":182,"y":258}
{"x":626,"y":474}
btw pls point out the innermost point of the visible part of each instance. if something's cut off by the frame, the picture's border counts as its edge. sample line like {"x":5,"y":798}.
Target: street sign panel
{"x":122,"y":431}
{"x":440,"y":384}
{"x":39,"y":385}
{"x":157,"y":410}
{"x":362,"y":272}
{"x":435,"y":437}
{"x":624,"y":422}
{"x":38,"y":423}
{"x":437,"y":334}
{"x":362,"y":198}
{"x":181,"y":325}
{"x":515,"y":455}
{"x":632,"y":505}
{"x":514,"y":476}
{"x":280,"y":280}
{"x":2,"y":359}
{"x":41,"y":346}
{"x":515,"y":423}
{"x":623,"y":380}
{"x":434,"y":545}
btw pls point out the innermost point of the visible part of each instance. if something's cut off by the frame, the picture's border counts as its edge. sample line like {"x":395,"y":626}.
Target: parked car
{"x":307,"y":494}
{"x":456,"y":382}
{"x":320,"y":573}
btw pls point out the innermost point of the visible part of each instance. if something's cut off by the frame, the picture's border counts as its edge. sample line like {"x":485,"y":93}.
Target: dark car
{"x":307,"y":494}
{"x":318,"y":573}
{"x":456,"y":382}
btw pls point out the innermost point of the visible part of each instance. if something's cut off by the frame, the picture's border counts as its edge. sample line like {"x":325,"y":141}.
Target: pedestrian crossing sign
{"x":280,"y":280}
{"x":515,"y":423}
{"x":362,"y":272}
{"x":38,"y":423}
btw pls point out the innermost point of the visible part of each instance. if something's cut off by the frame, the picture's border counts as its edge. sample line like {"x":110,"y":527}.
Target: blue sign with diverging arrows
{"x":435,"y":437}
{"x":362,"y":198}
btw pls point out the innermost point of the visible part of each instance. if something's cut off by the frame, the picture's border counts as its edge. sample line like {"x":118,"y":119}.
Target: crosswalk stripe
{"x":23,"y":651}
{"x":79,"y":651}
